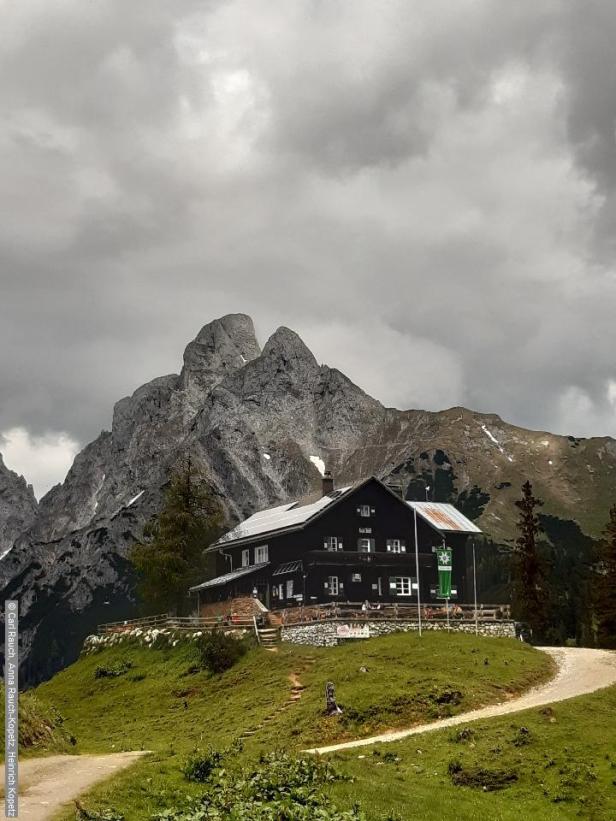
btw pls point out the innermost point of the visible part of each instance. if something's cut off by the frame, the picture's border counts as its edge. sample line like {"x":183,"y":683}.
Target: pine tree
{"x":169,"y":558}
{"x":604,"y":586}
{"x":530,"y":594}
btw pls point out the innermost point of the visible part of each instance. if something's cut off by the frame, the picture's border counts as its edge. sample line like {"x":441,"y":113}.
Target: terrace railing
{"x":356,"y":611}
{"x":165,"y":621}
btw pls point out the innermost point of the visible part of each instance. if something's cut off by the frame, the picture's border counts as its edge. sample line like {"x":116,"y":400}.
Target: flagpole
{"x":475,"y":588}
{"x":417,"y":571}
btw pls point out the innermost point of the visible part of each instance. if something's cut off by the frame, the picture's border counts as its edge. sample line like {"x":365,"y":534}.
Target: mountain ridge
{"x":255,"y":420}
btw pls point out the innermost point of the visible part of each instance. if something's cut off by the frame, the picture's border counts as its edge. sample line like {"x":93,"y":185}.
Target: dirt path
{"x":48,"y":783}
{"x":580,"y":671}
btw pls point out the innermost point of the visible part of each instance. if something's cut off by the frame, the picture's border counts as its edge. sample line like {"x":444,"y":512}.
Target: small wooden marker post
{"x":331,"y":708}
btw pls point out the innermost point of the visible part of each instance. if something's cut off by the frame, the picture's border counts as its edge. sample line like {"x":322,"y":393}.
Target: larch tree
{"x":603,"y":594}
{"x":530,"y":598}
{"x":170,"y":557}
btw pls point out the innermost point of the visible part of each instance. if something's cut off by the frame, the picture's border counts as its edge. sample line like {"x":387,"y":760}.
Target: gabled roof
{"x":444,"y":517}
{"x":291,"y":516}
{"x":229,"y":577}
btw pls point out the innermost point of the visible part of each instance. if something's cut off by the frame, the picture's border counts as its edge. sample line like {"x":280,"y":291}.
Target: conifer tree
{"x":604,"y":586}
{"x":169,"y":558}
{"x":530,"y":594}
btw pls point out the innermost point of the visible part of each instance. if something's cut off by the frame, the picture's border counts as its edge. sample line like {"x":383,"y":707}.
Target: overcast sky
{"x":425,"y":191}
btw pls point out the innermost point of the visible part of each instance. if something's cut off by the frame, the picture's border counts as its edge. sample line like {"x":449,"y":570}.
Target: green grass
{"x":42,"y":728}
{"x":565,"y":765}
{"x":161,"y":704}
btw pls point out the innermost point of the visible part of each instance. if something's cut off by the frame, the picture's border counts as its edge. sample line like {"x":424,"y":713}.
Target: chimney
{"x":328,"y":483}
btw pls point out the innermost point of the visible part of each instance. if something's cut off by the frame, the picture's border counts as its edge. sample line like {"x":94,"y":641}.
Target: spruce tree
{"x":530,"y":594}
{"x":604,"y":586}
{"x":169,"y":558}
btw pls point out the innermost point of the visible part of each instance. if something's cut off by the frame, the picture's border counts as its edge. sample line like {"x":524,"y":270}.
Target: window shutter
{"x":326,"y":585}
{"x":339,"y":545}
{"x":392,"y":584}
{"x":325,"y":544}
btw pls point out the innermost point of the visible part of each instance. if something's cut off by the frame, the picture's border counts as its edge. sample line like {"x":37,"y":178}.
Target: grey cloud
{"x":424,"y":192}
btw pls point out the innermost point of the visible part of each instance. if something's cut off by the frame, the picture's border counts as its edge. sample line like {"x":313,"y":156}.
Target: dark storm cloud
{"x":425,"y":192}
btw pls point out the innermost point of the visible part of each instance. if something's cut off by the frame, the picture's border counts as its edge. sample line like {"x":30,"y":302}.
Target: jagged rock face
{"x":17,"y":507}
{"x":219,"y":348}
{"x":257,"y":424}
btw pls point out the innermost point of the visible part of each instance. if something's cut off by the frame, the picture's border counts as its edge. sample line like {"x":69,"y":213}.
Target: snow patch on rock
{"x":134,"y":499}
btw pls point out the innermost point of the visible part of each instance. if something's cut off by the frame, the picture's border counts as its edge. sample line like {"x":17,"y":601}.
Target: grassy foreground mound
{"x":41,"y":727}
{"x":157,"y":699}
{"x":548,"y":764}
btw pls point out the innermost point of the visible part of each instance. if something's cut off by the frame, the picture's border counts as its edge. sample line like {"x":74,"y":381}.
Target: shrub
{"x":200,"y":765}
{"x":219,"y":651}
{"x":279,"y":787}
{"x":82,"y":814}
{"x":113,"y":671}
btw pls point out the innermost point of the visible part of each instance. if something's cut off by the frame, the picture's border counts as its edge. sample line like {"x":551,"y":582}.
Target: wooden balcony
{"x":337,"y":558}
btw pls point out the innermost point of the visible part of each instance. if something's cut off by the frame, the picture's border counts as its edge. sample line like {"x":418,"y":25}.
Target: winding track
{"x":46,"y":784}
{"x":580,"y":671}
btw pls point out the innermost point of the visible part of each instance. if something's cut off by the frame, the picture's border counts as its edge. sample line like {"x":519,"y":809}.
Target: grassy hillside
{"x":160,"y":703}
{"x":41,"y":727}
{"x":561,"y":759}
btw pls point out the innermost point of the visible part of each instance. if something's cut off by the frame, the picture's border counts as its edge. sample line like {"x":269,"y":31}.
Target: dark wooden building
{"x":348,"y":545}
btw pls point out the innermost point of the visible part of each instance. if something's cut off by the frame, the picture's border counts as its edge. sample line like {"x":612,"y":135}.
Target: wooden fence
{"x":167,"y":622}
{"x":389,"y":612}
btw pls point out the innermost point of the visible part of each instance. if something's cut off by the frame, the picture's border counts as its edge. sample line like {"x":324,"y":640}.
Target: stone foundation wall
{"x":323,"y":633}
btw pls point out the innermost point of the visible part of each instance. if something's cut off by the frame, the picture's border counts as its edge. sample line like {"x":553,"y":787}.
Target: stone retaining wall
{"x":324,"y":633}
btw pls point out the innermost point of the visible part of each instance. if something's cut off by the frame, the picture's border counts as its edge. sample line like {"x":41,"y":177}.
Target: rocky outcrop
{"x":259,"y":424}
{"x":17,"y":507}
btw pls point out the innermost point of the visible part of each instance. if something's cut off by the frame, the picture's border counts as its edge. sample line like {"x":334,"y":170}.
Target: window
{"x":365,"y":545}
{"x":364,"y":510}
{"x":289,"y":588}
{"x":245,"y":557}
{"x":380,"y":586}
{"x":332,"y":585}
{"x":331,"y":543}
{"x":261,"y":554}
{"x":400,"y":585}
{"x":356,"y":577}
{"x":396,"y":546}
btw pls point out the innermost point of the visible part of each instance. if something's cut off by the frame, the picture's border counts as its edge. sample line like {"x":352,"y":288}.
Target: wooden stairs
{"x":294,"y":696}
{"x":268,"y":637}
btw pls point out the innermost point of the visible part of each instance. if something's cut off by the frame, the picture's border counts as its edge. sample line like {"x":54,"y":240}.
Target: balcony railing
{"x":348,"y":557}
{"x":357,"y":611}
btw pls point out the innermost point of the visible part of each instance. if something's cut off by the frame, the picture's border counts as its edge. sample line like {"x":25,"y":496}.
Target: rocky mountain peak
{"x":220,"y":347}
{"x":18,"y":506}
{"x":289,"y":350}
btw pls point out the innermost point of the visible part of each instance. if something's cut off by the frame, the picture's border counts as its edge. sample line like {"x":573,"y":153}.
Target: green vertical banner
{"x":443,"y":555}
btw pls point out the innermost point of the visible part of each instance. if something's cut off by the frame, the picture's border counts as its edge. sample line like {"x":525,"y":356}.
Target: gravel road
{"x":580,"y":671}
{"x":48,"y":783}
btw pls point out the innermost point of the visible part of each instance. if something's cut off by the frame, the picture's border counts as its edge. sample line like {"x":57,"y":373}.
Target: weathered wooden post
{"x":331,"y":708}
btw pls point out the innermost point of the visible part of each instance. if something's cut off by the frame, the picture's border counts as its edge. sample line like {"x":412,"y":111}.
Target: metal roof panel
{"x":444,"y":517}
{"x":278,"y":518}
{"x":229,"y":577}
